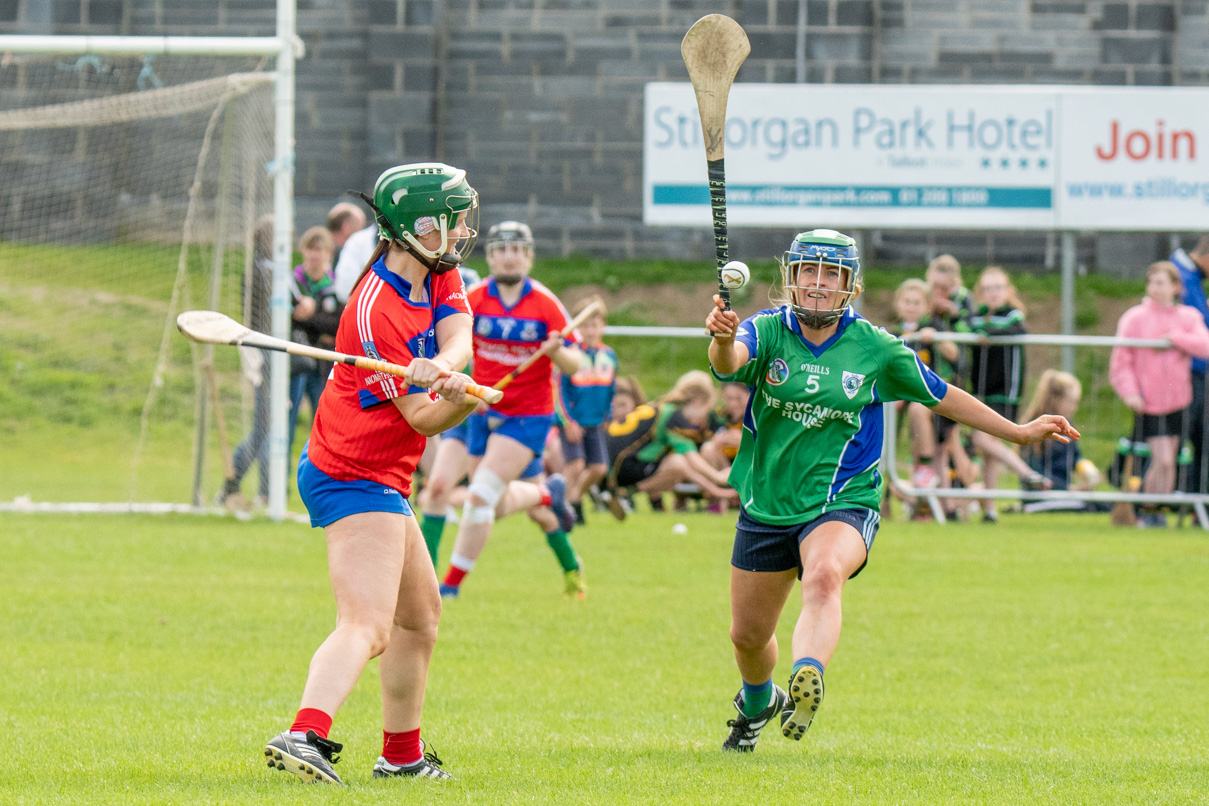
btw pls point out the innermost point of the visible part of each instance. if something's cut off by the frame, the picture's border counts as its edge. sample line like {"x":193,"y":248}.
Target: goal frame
{"x":286,"y":47}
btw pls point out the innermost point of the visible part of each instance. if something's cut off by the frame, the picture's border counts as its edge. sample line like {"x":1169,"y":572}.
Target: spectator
{"x":1193,"y":267}
{"x":647,"y":452}
{"x":997,"y":377}
{"x":583,"y":402}
{"x":315,"y":318}
{"x":627,"y":396}
{"x":1062,"y":463}
{"x":258,"y":291}
{"x":911,"y":305}
{"x":1157,"y":384}
{"x":354,"y":256}
{"x":342,"y":221}
{"x":722,"y":448}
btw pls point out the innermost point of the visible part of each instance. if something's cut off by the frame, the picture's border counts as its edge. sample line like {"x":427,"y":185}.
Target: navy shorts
{"x":765,"y":547}
{"x":591,"y":449}
{"x":328,"y":499}
{"x":529,"y":430}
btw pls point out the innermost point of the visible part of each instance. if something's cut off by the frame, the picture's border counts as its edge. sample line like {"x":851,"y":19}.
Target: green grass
{"x":1050,"y":659}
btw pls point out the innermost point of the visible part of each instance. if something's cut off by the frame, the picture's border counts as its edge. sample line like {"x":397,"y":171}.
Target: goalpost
{"x":143,"y":176}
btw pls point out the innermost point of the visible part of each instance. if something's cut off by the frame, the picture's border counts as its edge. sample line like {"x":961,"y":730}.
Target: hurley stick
{"x":215,"y":328}
{"x":713,"y":49}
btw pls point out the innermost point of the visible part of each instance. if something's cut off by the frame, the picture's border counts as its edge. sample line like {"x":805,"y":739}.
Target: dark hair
{"x":1202,"y":247}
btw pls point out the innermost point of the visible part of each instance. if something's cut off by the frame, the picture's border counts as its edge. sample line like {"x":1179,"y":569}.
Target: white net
{"x":130,"y":188}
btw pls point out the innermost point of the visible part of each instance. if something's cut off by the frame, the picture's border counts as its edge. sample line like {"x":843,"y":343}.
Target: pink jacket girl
{"x":1153,"y":381}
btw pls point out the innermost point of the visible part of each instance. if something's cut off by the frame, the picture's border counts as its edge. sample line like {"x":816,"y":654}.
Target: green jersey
{"x":812,"y":436}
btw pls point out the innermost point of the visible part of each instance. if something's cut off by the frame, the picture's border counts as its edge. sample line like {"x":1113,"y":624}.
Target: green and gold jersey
{"x":812,"y":435}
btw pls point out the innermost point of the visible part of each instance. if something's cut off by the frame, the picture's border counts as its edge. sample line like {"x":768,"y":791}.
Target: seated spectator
{"x":1157,"y":384}
{"x":648,"y":451}
{"x":1062,"y":463}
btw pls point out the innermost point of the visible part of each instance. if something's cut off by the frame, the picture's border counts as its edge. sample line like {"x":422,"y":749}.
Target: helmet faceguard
{"x":509,"y":236}
{"x":411,"y":201}
{"x":819,"y":248}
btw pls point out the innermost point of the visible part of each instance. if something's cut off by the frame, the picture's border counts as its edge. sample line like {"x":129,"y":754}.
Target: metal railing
{"x":1196,"y":501}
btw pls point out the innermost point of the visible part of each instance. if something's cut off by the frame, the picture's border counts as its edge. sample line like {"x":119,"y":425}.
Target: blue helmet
{"x":822,"y":247}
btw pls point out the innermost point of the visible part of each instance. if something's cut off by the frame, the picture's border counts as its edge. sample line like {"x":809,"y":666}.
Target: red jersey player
{"x":514,"y":317}
{"x":409,"y":307}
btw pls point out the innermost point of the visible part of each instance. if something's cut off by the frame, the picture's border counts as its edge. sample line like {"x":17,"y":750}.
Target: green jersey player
{"x":807,"y":472}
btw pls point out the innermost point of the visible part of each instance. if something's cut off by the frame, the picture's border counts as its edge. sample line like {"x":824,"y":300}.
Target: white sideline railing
{"x":889,"y":466}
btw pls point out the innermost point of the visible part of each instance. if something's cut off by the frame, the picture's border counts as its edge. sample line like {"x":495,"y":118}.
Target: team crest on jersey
{"x":778,"y":372}
{"x":851,"y":383}
{"x":370,"y":352}
{"x":529,"y":331}
{"x":484,"y":326}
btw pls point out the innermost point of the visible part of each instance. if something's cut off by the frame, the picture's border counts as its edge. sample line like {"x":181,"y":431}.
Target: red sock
{"x":454,"y":576}
{"x":401,"y":748}
{"x":545,"y":502}
{"x":312,"y":719}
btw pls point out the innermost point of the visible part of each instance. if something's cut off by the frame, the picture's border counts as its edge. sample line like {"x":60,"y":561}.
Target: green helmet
{"x":422,"y":197}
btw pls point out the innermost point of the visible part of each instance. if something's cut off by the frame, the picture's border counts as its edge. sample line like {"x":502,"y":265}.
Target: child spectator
{"x":648,"y":451}
{"x":314,"y":320}
{"x":627,"y":396}
{"x":584,"y":402}
{"x":911,"y":305}
{"x":1057,"y":393}
{"x":1157,"y":384}
{"x":997,"y":377}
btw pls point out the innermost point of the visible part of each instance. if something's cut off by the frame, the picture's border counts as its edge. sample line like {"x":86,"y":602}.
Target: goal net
{"x":131,"y":188}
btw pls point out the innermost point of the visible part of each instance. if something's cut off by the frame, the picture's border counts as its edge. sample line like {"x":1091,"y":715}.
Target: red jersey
{"x":358,"y":432}
{"x":504,"y":337}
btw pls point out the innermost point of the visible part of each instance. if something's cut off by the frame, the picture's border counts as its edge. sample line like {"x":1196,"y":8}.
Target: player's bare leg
{"x":365,"y":559}
{"x":404,"y":665}
{"x":756,"y":601}
{"x":830,"y":554}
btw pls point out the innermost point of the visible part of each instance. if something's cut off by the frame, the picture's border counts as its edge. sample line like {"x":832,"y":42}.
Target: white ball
{"x":679,"y":529}
{"x":735,"y":274}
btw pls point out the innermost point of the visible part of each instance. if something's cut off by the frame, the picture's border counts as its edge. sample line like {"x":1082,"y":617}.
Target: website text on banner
{"x":1119,"y":158}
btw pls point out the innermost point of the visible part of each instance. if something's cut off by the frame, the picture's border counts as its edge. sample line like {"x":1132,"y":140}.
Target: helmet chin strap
{"x":438,"y":262}
{"x":508,"y":280}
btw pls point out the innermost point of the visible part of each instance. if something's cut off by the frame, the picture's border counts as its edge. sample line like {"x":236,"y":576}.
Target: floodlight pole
{"x":283,"y":236}
{"x":1070,"y":259}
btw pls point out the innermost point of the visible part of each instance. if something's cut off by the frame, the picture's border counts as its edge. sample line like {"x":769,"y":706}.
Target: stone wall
{"x":541,"y":100}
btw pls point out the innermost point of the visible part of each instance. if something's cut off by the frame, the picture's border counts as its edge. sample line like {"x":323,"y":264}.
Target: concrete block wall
{"x":540,"y":100}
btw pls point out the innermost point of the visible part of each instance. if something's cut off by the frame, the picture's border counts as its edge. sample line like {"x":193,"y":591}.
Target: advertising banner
{"x":948,"y":157}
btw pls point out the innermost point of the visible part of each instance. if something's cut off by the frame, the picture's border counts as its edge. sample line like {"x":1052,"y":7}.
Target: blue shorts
{"x":591,"y":448}
{"x":528,"y":430}
{"x":459,"y":432}
{"x":328,"y":499}
{"x":765,"y":547}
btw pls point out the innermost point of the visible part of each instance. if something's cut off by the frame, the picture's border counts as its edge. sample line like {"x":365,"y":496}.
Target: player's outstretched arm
{"x":430,"y":417}
{"x":726,"y":355}
{"x":968,"y":410}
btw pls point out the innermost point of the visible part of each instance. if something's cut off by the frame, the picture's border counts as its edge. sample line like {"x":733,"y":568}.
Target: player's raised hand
{"x":721,"y":322}
{"x":453,"y":388}
{"x":1049,"y":426}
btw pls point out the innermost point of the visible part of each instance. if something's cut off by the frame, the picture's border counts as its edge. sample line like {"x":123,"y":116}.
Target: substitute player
{"x":515,"y":316}
{"x":807,"y":465}
{"x":409,"y":307}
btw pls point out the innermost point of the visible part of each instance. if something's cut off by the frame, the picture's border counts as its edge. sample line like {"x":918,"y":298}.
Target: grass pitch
{"x":146,"y":660}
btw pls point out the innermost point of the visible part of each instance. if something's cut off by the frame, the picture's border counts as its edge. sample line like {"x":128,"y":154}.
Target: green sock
{"x":431,"y":528}
{"x":756,"y":698}
{"x":560,"y":544}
